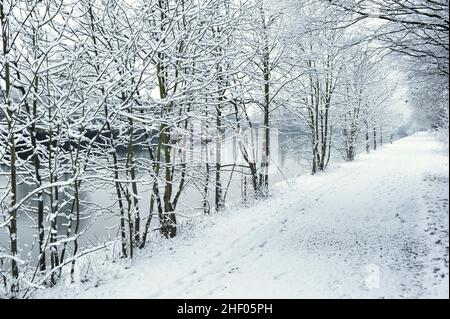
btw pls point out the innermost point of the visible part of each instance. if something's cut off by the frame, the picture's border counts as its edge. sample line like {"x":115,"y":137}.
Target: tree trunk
{"x":374,"y":138}
{"x":218,"y":183}
{"x":13,"y":156}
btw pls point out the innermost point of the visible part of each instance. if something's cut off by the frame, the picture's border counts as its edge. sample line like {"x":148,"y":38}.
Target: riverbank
{"x":373,"y":228}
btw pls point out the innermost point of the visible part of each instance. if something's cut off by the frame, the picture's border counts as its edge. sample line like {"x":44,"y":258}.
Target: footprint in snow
{"x":277,"y":277}
{"x":262,"y":245}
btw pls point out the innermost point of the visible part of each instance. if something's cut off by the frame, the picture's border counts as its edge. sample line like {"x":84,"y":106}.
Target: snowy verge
{"x":373,"y":228}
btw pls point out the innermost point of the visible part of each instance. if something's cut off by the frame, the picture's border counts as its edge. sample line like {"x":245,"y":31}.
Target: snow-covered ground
{"x":377,"y":227}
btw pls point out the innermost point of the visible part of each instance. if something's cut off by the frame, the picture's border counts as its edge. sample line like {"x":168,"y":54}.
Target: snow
{"x":373,"y":228}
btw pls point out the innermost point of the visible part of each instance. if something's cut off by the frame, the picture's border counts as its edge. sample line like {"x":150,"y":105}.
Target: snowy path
{"x":377,"y":227}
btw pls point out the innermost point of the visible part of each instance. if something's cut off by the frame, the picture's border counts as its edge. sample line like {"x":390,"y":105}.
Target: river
{"x":100,"y":223}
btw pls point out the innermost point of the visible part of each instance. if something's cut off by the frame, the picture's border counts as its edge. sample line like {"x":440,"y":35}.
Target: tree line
{"x":125,"y":95}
